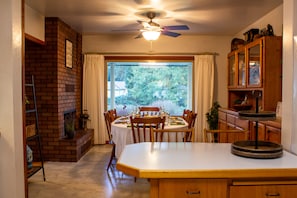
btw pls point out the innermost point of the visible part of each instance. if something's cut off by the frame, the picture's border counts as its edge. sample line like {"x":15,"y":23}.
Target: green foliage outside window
{"x":163,"y":86}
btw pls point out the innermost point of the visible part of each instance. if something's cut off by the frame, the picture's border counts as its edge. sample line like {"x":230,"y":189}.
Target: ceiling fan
{"x":152,"y":30}
{"x":151,"y":26}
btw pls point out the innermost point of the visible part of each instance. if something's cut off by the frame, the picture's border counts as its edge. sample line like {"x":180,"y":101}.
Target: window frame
{"x":146,"y":59}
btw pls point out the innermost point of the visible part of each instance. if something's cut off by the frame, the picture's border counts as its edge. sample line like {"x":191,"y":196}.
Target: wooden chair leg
{"x":112,"y":156}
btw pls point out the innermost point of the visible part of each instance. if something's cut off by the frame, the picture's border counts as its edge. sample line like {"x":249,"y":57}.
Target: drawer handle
{"x":193,"y":192}
{"x":272,"y":195}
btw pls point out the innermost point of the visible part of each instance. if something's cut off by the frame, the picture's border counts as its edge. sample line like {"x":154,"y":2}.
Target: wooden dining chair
{"x":192,"y":119}
{"x":186,"y":112}
{"x":173,"y":135}
{"x":112,"y":114}
{"x":145,"y":110}
{"x":189,"y":116}
{"x":225,"y":135}
{"x":142,"y":127}
{"x":108,"y":121}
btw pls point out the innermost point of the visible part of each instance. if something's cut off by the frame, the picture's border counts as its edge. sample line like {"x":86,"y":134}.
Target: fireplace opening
{"x":69,"y":123}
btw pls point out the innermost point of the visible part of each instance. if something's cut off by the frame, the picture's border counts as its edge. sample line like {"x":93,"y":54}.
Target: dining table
{"x":122,"y":135}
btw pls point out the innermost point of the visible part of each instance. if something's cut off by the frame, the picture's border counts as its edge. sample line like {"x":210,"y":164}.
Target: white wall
{"x":34,"y":23}
{"x":11,"y":139}
{"x":274,"y":18}
{"x":289,"y":106}
{"x":185,"y":44}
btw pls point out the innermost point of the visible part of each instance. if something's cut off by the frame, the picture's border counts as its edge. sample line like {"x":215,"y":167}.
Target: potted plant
{"x":212,"y":116}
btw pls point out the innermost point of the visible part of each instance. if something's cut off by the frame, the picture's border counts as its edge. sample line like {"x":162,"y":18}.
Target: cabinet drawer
{"x":243,"y":124}
{"x":263,"y":191}
{"x":231,"y":119}
{"x":222,"y":115}
{"x":273,"y":134}
{"x":193,"y":188}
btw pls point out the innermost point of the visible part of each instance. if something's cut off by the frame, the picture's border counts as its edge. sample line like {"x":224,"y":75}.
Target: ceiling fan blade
{"x":125,"y":30}
{"x":140,"y":22}
{"x":176,"y":27}
{"x":172,"y":34}
{"x":138,"y":36}
{"x":144,"y":24}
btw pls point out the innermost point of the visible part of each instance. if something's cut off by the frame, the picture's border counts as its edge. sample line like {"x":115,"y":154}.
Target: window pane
{"x":163,"y":84}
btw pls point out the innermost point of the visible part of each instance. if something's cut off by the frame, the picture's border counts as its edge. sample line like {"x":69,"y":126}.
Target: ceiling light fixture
{"x":151,"y":35}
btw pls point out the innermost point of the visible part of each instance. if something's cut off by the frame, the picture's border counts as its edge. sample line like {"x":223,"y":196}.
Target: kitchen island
{"x":208,"y":170}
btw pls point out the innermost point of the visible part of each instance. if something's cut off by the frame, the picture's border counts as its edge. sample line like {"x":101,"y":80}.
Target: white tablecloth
{"x":122,"y":135}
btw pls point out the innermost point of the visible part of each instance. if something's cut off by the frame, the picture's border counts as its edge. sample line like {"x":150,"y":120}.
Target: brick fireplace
{"x":69,"y":123}
{"x":58,"y":90}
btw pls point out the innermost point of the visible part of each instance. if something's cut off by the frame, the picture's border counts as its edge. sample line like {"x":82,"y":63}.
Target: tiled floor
{"x":86,"y":178}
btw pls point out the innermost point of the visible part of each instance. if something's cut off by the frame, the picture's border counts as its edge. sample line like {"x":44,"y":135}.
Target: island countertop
{"x":200,"y":160}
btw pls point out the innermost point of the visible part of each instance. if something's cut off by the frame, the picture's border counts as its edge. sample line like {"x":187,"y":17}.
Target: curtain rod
{"x":156,"y":54}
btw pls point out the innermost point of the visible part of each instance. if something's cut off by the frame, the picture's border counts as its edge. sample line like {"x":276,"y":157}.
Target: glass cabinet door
{"x":241,"y":69}
{"x":231,"y":70}
{"x":255,"y":65}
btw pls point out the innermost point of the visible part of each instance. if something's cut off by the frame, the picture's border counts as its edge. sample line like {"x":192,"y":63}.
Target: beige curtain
{"x":203,"y":91}
{"x":93,"y":95}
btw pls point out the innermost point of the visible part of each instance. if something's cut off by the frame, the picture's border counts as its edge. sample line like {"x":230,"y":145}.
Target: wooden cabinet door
{"x":273,"y":134}
{"x":261,"y":131}
{"x":193,"y":188}
{"x":263,"y":191}
{"x":254,"y":64}
{"x":241,"y":64}
{"x":232,"y":70}
{"x":222,"y":124}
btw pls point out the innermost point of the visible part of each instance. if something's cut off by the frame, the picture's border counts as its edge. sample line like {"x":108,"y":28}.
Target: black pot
{"x":70,"y":134}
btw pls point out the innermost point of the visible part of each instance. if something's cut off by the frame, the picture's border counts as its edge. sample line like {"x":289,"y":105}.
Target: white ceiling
{"x":211,"y":17}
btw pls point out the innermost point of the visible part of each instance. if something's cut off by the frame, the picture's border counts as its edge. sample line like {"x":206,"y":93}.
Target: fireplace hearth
{"x":69,"y":123}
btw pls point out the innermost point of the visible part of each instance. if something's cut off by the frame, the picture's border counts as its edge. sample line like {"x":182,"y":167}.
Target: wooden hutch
{"x":254,"y":69}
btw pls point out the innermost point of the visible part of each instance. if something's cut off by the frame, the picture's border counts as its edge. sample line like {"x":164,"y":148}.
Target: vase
{"x":70,"y":134}
{"x":29,"y":157}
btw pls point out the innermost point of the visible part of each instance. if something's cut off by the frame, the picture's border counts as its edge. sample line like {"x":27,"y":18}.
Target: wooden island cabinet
{"x":266,"y":189}
{"x":208,"y":170}
{"x":200,"y":188}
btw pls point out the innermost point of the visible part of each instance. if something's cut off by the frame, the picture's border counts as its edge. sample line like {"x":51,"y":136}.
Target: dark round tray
{"x":265,"y":150}
{"x":257,"y":116}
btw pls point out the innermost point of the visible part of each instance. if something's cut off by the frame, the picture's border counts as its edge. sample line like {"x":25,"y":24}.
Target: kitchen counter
{"x":202,"y":162}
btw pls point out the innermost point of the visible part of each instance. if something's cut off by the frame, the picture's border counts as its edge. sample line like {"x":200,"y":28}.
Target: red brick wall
{"x":58,"y":88}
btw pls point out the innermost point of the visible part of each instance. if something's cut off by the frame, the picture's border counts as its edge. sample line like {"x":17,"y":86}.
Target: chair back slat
{"x":142,"y":126}
{"x":145,"y":110}
{"x":173,"y":135}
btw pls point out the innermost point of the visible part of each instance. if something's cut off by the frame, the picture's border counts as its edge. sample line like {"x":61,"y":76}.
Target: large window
{"x":149,"y":83}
